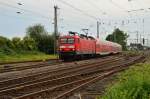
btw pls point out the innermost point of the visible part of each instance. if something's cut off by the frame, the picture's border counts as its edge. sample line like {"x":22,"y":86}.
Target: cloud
{"x":69,"y":18}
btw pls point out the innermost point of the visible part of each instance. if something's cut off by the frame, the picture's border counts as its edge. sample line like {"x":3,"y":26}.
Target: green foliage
{"x":5,"y":42}
{"x":36,"y":31}
{"x":118,"y":36}
{"x":133,"y":84}
{"x":46,"y":44}
{"x":7,"y":51}
{"x":29,"y":44}
{"x":31,"y":47}
{"x":5,"y":46}
{"x":11,"y":47}
{"x":43,"y":39}
{"x":37,"y":39}
{"x":17,"y":43}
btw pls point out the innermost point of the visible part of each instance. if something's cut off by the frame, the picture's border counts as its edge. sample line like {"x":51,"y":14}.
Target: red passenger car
{"x":107,"y":47}
{"x":78,"y":46}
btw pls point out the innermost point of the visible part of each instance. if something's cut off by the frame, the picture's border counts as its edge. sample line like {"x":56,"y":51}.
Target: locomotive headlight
{"x":62,"y":46}
{"x":71,"y":46}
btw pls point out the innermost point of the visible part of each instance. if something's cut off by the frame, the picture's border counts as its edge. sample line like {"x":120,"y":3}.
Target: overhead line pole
{"x":97,"y":29}
{"x":55,"y":29}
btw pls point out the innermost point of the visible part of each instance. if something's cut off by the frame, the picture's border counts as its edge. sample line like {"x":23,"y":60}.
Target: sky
{"x":131,"y":16}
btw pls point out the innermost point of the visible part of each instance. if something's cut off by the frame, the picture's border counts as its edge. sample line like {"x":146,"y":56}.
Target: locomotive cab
{"x":68,"y":46}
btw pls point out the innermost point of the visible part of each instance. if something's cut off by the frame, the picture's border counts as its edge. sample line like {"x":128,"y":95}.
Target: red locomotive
{"x":78,"y":46}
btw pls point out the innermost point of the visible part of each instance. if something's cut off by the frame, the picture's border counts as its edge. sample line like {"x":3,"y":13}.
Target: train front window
{"x":70,"y":40}
{"x":67,"y":40}
{"x":63,"y":41}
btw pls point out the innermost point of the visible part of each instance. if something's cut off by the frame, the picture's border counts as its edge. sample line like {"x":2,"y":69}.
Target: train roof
{"x":108,"y":42}
{"x":77,"y":35}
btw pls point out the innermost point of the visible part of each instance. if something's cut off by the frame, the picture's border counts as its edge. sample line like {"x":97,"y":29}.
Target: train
{"x":77,"y":46}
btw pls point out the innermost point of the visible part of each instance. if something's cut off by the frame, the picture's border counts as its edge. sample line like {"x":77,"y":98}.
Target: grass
{"x":27,"y":56}
{"x":131,"y":84}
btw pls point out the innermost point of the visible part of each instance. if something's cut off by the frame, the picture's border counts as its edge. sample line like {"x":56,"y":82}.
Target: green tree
{"x":5,"y":46}
{"x":118,"y":36}
{"x":18,"y":44}
{"x":46,"y":44}
{"x":3,"y":41}
{"x":36,"y":31}
{"x":43,"y":39}
{"x":29,"y":44}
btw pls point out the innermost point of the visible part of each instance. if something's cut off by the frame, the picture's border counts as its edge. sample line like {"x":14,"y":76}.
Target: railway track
{"x":55,"y":73}
{"x":19,"y":66}
{"x":58,"y":84}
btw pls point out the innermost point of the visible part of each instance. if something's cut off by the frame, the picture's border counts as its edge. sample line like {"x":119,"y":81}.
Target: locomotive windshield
{"x":67,"y":40}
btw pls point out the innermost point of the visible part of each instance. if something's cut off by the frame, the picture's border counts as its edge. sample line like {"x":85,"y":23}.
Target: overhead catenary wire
{"x":81,"y":11}
{"x":77,"y":9}
{"x":127,"y":11}
{"x":115,"y":4}
{"x":70,"y":5}
{"x":22,"y":4}
{"x":19,"y":16}
{"x":26,"y":10}
{"x":120,"y":7}
{"x":78,"y":25}
{"x":23,"y":18}
{"x":95,"y":6}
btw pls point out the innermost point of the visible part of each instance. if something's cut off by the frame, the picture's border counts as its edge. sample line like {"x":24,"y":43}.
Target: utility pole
{"x":55,"y":29}
{"x":115,"y":34}
{"x":97,"y":29}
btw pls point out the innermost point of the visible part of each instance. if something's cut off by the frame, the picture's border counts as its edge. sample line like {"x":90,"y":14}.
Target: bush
{"x":133,"y":84}
{"x":29,"y":44}
{"x":7,"y":51}
{"x":4,"y":41}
